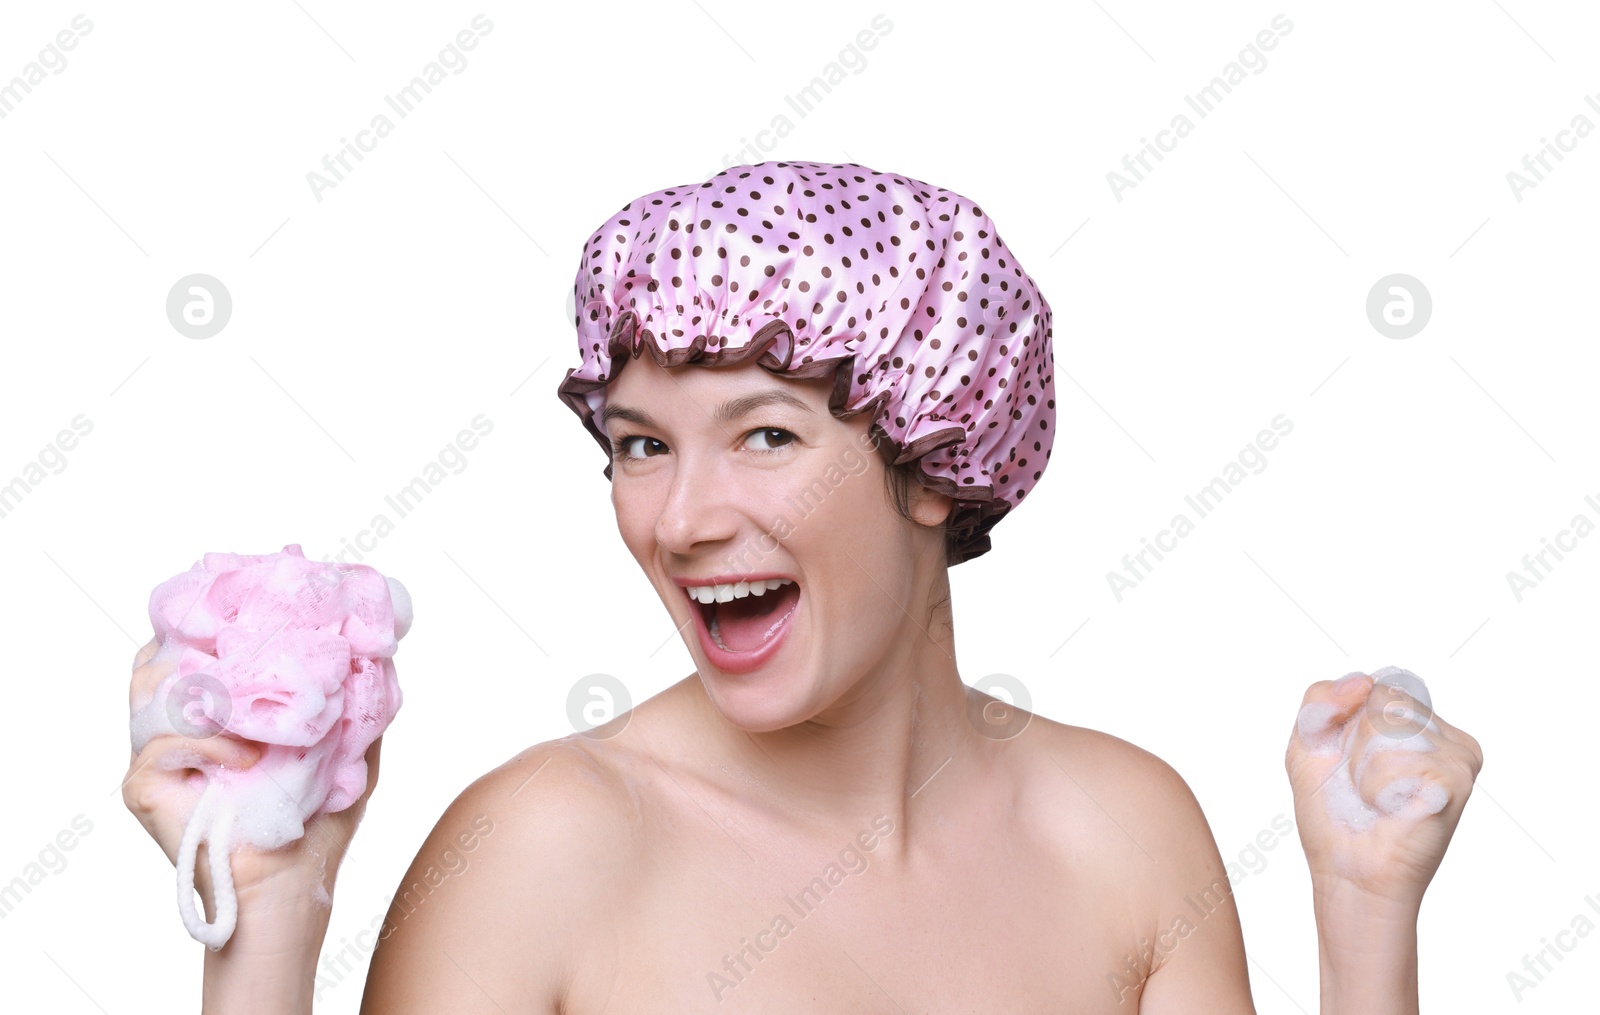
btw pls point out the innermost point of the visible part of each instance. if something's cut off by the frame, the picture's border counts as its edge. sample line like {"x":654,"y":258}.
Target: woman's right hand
{"x":165,"y":781}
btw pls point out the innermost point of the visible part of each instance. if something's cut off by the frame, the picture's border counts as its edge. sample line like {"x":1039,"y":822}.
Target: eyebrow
{"x":732,"y":409}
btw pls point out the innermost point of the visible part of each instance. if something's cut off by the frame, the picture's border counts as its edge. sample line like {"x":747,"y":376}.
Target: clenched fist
{"x":1379,"y":784}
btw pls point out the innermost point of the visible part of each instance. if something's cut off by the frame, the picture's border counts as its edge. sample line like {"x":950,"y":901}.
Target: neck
{"x":880,"y":750}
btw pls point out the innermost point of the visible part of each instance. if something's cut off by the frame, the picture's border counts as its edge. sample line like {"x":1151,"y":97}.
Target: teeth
{"x":736,"y":590}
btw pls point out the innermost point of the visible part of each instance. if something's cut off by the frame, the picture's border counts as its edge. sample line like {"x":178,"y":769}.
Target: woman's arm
{"x":1368,"y":880}
{"x":1196,"y":939}
{"x":1367,"y":955}
{"x":270,"y":962}
{"x":497,"y":909}
{"x":1379,"y":781}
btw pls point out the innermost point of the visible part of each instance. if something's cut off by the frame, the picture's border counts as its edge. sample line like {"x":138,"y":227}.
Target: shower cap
{"x":901,"y":292}
{"x":291,"y":654}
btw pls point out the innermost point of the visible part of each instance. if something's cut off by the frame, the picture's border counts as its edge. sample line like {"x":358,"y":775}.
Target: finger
{"x":146,"y":650}
{"x":1325,"y":709}
{"x":152,"y":768}
{"x":1469,"y":745}
{"x":206,"y":752}
{"x":1466,"y":743}
{"x":1399,"y":711}
{"x":1404,"y":783}
{"x":1393,"y":721}
{"x":148,"y":673}
{"x":1390,"y":719}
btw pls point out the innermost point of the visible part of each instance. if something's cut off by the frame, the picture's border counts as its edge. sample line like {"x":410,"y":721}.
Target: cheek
{"x":866,"y":496}
{"x":636,"y":516}
{"x":853,"y":512}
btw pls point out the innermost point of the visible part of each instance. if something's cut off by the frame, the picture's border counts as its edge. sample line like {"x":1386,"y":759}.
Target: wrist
{"x":1343,"y":904}
{"x":1367,"y":952}
{"x":270,"y":961}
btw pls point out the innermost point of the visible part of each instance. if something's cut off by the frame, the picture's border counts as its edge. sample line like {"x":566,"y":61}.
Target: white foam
{"x":284,"y":653}
{"x":1402,"y":729}
{"x":401,"y":600}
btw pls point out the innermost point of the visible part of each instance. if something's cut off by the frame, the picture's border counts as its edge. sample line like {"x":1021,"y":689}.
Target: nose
{"x":700,"y":508}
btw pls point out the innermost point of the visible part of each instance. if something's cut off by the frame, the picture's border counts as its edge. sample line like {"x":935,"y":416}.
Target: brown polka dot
{"x":909,"y":308}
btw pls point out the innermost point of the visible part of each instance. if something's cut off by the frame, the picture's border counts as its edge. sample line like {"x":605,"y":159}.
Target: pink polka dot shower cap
{"x":903,"y":293}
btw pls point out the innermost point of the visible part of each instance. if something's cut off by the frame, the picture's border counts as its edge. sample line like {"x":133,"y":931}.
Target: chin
{"x":772,"y":702}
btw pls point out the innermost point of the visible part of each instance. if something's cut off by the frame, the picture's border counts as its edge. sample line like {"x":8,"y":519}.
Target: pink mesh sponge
{"x":293,"y":654}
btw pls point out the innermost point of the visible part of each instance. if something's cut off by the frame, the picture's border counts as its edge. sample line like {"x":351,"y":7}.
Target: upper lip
{"x":731,"y":579}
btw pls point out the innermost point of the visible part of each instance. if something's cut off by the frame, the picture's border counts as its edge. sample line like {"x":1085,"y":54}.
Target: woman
{"x":824,"y":817}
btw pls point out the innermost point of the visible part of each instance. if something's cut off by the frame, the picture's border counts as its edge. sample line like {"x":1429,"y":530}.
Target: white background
{"x":430,"y":284}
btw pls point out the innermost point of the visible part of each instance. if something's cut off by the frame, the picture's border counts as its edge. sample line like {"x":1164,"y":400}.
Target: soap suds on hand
{"x":1399,"y":729}
{"x":295,"y":655}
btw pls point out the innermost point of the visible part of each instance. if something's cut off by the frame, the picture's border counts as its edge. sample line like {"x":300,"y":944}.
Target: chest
{"x":974,"y":921}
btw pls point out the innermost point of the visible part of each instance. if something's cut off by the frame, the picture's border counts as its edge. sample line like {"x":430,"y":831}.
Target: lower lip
{"x":741,"y":662}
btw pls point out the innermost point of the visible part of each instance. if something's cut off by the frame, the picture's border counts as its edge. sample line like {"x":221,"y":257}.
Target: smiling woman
{"x":818,"y":388}
{"x":698,"y":500}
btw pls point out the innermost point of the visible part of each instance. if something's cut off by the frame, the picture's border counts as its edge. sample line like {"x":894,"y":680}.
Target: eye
{"x":620,"y":445}
{"x":768,"y":432}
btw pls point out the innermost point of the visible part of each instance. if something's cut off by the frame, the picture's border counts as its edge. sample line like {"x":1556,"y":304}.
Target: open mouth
{"x":746,"y":616}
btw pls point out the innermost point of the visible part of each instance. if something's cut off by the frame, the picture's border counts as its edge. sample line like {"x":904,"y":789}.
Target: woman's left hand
{"x":1379,"y":785}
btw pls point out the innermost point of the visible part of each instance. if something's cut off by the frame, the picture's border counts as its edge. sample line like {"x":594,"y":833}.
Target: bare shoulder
{"x":510,"y":886}
{"x":1130,"y":789}
{"x":1131,"y":810}
{"x":564,"y":798}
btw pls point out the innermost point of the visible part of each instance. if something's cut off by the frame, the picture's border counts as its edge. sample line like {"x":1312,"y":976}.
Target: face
{"x":730,"y":475}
